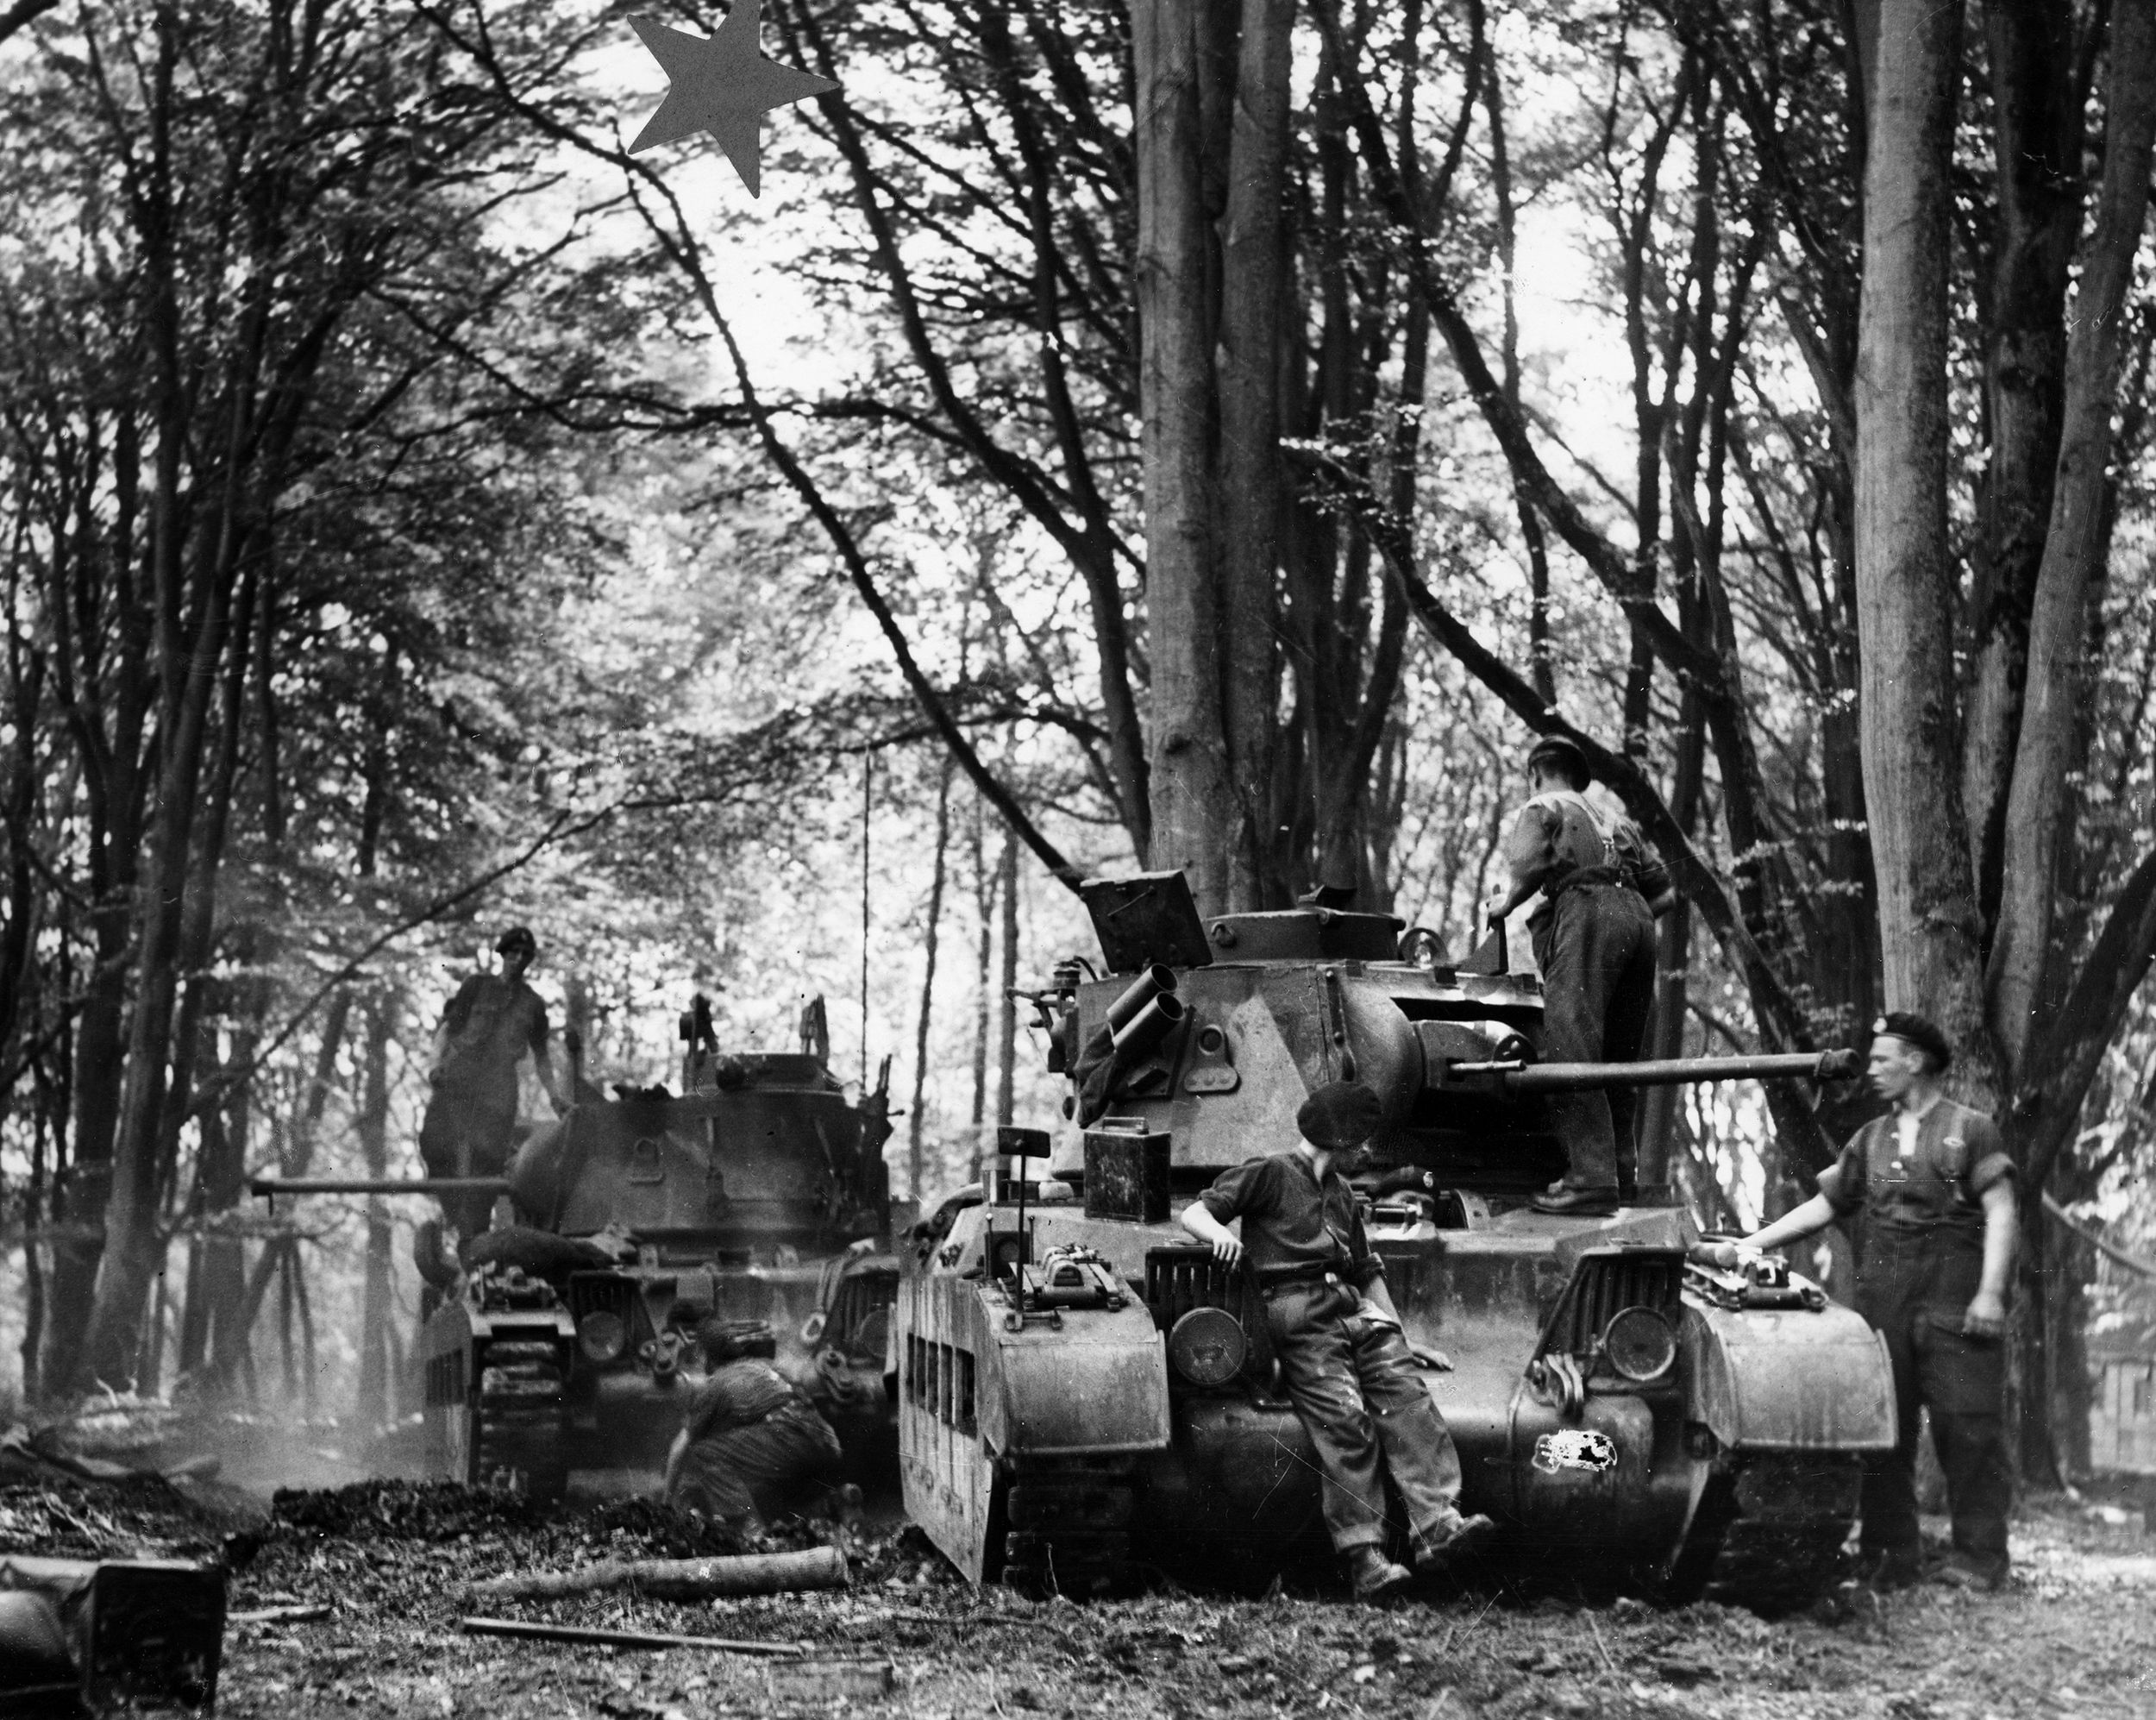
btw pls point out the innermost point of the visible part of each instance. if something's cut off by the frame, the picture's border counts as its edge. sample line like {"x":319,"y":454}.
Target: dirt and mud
{"x":2074,"y":1634}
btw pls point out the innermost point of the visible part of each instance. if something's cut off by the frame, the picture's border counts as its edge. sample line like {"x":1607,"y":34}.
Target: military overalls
{"x":754,"y":1446}
{"x":1595,"y":942}
{"x":1350,"y":1374}
{"x":470,"y":1125}
{"x":1920,"y":1261}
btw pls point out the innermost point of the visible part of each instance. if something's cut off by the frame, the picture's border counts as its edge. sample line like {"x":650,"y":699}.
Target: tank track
{"x":1768,"y":1533}
{"x":516,"y":1419}
{"x":1068,"y":1526}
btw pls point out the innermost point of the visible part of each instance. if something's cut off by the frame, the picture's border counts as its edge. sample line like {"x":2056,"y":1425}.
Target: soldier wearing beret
{"x":1934,"y":1188}
{"x":1343,"y":1355}
{"x":1602,"y":887}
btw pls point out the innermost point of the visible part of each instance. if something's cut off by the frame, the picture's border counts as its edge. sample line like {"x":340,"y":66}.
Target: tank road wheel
{"x":1068,"y":1526}
{"x":517,"y":1436}
{"x":1768,"y":1530}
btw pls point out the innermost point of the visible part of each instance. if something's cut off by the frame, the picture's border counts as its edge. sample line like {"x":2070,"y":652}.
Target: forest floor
{"x":2074,"y":1634}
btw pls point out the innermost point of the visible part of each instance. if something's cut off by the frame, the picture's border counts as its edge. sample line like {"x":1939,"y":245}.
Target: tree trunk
{"x":1008,"y":1006}
{"x":373,"y":1409}
{"x":1253,"y":259}
{"x":2049,"y":748}
{"x":2037,"y":151}
{"x":917,"y":1122}
{"x":1905,"y":578}
{"x":984,"y":897}
{"x":1191,"y":791}
{"x":34,"y":1210}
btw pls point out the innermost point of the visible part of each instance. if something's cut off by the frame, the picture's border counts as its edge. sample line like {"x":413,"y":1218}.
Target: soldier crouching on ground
{"x":1343,"y":1355}
{"x":752,"y":1447}
{"x":1934,"y":1188}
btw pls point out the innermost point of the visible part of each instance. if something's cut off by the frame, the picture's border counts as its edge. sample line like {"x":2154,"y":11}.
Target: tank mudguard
{"x":1793,"y":1379}
{"x":1096,"y":1384}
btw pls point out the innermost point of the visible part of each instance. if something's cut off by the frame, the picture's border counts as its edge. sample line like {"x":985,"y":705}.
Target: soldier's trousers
{"x":1595,"y":945}
{"x":749,"y":1475}
{"x":1357,"y":1391}
{"x":467,"y":1133}
{"x":1960,"y":1379}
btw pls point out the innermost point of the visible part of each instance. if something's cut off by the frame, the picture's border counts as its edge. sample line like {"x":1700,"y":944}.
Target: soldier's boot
{"x":1373,"y":1575}
{"x":1567,"y":1201}
{"x":1457,"y":1537}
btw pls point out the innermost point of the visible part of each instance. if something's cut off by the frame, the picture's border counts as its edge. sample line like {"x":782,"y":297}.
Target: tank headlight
{"x":1640,"y":1344}
{"x":1208,"y":1347}
{"x":602,"y":1335}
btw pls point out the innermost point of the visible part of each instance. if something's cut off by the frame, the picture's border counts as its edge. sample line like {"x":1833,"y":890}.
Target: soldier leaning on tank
{"x":1343,"y":1355}
{"x":1602,"y":887}
{"x":1935,"y":1189}
{"x":470,"y":1128}
{"x":751,"y":1446}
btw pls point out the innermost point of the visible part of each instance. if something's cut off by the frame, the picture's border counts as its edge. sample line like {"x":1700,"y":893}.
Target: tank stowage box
{"x":1102,"y":1391}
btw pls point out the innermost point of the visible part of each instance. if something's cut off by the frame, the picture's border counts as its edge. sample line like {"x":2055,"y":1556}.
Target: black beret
{"x":1907,"y":1024}
{"x":516,"y":938}
{"x":1341,"y":1113}
{"x":1563,"y":753}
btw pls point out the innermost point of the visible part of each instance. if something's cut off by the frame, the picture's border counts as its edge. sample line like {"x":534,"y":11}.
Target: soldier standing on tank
{"x":1935,"y":1189}
{"x":1343,"y":1355}
{"x":1601,"y":889}
{"x":470,"y":1128}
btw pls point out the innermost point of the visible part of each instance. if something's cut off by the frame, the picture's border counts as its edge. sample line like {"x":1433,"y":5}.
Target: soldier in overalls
{"x":1935,"y":1189}
{"x":1602,"y":887}
{"x":1343,"y":1355}
{"x":752,"y":1446}
{"x":470,"y":1127}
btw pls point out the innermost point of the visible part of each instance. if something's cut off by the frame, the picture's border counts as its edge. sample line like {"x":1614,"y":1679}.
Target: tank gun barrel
{"x":1521,"y":1078}
{"x":271,"y":1187}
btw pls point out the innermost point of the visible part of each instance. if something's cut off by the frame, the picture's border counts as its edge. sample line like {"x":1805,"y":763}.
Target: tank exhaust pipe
{"x":1519,"y":1079}
{"x":1149,"y":1026}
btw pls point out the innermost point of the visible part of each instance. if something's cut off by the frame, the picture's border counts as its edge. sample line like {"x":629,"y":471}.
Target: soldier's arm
{"x":1794,"y":1225}
{"x":455,"y":1013}
{"x":1530,"y":857}
{"x":1986,"y":1317}
{"x":1199,"y":1221}
{"x":1232,"y":1194}
{"x":542,"y":1061}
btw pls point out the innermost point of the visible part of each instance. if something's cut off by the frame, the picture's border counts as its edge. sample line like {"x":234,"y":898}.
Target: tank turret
{"x":1689,"y":1430}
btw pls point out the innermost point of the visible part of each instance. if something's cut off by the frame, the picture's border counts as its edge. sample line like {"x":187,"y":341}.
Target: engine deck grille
{"x":1180,"y":1279}
{"x":607,"y":1292}
{"x":1603,"y":1284}
{"x":860,"y":1315}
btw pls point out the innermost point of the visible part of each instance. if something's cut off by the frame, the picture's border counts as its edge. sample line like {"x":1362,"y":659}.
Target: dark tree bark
{"x":2036,"y":135}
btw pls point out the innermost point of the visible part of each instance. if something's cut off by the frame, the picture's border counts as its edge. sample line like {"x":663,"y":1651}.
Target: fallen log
{"x":677,"y":1579}
{"x":620,"y":1639}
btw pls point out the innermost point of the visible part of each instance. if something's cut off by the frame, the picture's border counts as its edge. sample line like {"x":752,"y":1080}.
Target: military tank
{"x":1081,"y":1387}
{"x":756,"y":1196}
